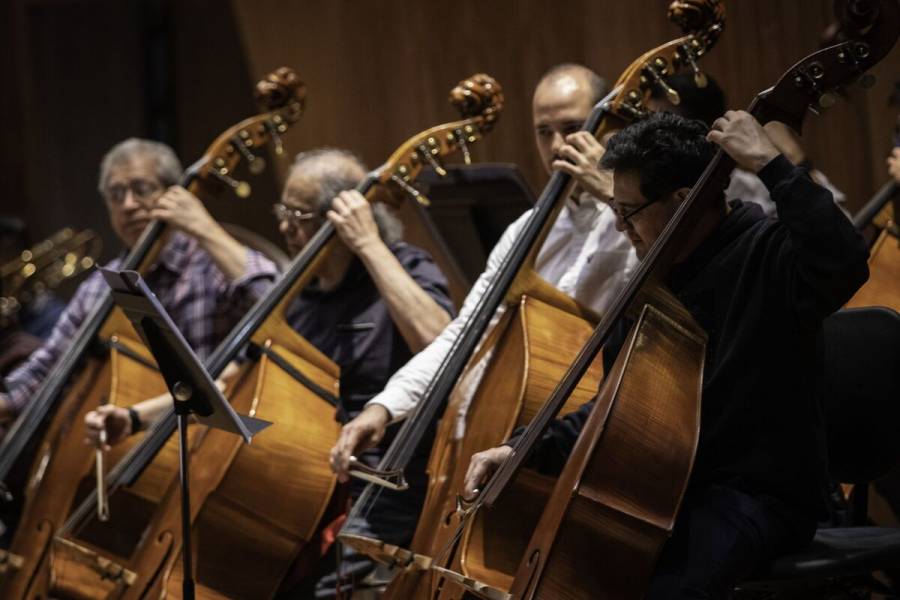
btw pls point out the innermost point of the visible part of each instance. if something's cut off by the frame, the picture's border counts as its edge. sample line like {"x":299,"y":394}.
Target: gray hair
{"x":168,"y":167}
{"x":336,"y":170}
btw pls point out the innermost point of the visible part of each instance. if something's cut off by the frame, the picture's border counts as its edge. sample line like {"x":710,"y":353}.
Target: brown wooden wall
{"x":379,"y":71}
{"x":76,"y":81}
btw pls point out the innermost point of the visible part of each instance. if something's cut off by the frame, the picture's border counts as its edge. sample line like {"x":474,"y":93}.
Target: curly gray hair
{"x":336,"y":170}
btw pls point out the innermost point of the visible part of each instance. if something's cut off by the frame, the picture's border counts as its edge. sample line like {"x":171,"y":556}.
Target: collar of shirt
{"x":174,"y":257}
{"x":585,"y":212}
{"x":176,"y":254}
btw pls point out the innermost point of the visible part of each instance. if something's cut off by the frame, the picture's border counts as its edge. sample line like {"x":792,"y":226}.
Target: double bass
{"x":125,"y":372}
{"x":621,"y":489}
{"x":536,"y":338}
{"x":882,"y":210}
{"x":255,"y":507}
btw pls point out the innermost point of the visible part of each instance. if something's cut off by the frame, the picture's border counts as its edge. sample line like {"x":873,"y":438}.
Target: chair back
{"x":861,"y":386}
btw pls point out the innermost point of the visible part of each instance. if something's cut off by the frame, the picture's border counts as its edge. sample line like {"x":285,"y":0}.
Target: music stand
{"x":471,"y":207}
{"x":193,"y":390}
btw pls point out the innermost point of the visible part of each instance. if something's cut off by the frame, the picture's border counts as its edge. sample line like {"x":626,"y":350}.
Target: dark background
{"x":81,"y":75}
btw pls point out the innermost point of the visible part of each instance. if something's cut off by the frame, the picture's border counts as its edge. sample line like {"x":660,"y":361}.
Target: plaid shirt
{"x":200,"y":299}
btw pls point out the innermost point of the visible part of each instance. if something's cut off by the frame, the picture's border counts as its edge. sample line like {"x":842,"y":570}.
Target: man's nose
{"x":557,"y":143}
{"x":130,"y":201}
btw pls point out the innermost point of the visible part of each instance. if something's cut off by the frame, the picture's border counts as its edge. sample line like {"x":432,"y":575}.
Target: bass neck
{"x":888,"y":192}
{"x":34,"y":416}
{"x":285,"y":289}
{"x":522,"y":253}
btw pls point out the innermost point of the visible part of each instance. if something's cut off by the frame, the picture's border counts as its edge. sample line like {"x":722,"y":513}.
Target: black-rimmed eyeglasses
{"x":628,"y":214}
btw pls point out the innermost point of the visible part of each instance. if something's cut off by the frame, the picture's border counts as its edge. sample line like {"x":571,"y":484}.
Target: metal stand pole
{"x":186,"y":553}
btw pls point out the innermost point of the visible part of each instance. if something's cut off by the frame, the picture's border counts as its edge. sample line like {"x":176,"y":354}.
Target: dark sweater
{"x":760,"y":288}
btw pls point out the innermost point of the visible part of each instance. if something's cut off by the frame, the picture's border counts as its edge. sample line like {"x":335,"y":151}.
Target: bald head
{"x":569,"y":74}
{"x":563,"y":99}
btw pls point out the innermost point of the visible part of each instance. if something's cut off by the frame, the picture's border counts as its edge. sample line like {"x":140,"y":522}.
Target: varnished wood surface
{"x":270,"y":500}
{"x":143,"y":535}
{"x":64,"y":459}
{"x":622,"y":486}
{"x":883,"y":286}
{"x":532,"y":346}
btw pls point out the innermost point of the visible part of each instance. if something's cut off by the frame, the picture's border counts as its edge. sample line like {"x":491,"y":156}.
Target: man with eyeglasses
{"x":376,"y":300}
{"x":760,"y":288}
{"x":203,"y":276}
{"x":583,"y":255}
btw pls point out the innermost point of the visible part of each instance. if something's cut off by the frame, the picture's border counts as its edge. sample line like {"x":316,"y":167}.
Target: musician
{"x":760,"y":288}
{"x":375,"y":301}
{"x":583,"y":255}
{"x":203,"y":276}
{"x":893,"y":163}
{"x":708,"y":104}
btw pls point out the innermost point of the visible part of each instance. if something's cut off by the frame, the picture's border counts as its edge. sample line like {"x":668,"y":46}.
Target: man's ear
{"x":680,"y":194}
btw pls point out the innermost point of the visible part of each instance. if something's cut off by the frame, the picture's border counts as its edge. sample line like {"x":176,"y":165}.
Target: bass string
{"x":442,"y":384}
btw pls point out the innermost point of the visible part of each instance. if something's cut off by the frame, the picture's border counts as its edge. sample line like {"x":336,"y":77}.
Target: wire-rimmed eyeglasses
{"x":293,"y":216}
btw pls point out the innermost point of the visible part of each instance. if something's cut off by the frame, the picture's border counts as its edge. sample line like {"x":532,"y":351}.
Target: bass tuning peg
{"x":241,"y":188}
{"x":412,"y":191}
{"x":460,"y":139}
{"x":255,"y":164}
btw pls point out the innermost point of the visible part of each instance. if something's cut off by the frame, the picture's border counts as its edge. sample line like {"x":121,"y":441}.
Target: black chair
{"x":861,"y":392}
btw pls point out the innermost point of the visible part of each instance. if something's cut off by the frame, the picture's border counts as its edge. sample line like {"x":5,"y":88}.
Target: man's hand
{"x":183,"y":210}
{"x":786,"y":140}
{"x":352,"y":218}
{"x":893,"y":163}
{"x":744,"y":139}
{"x":115,"y":420}
{"x":481,"y":467}
{"x":6,"y":411}
{"x":580,"y":157}
{"x":360,"y":434}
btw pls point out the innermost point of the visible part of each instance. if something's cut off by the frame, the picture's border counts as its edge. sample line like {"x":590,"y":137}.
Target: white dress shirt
{"x":747,"y":187}
{"x":583,"y":256}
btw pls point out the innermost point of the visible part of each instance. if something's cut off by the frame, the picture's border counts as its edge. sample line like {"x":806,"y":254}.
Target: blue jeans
{"x":720,"y":537}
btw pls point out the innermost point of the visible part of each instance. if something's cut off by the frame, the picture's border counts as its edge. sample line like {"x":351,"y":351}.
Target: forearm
{"x":418,"y":317}
{"x":153,"y":409}
{"x":824,"y":259}
{"x":229,"y":255}
{"x":550,"y":454}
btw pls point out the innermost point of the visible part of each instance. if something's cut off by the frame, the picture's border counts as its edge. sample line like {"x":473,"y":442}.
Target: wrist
{"x":763,"y":159}
{"x":380,"y":412}
{"x":6,"y":413}
{"x":207,"y":233}
{"x":371,"y":250}
{"x":135,"y":418}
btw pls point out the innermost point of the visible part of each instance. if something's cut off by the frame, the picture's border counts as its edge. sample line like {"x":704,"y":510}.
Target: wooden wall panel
{"x":379,"y":71}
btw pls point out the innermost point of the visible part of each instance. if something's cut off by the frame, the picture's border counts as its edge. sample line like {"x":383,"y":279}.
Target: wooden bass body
{"x":883,"y":286}
{"x":62,"y":469}
{"x":269,"y":501}
{"x":254,"y":505}
{"x":615,"y":503}
{"x":531,"y":346}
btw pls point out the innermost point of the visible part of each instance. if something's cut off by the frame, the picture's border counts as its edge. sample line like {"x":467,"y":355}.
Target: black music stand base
{"x":184,"y":461}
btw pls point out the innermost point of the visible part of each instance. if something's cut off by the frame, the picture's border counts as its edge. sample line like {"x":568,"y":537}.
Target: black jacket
{"x":760,"y":288}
